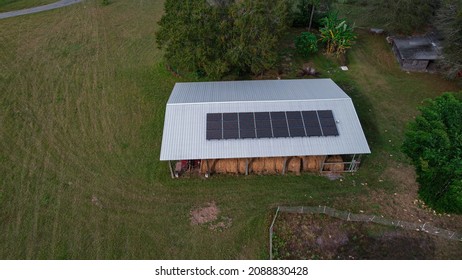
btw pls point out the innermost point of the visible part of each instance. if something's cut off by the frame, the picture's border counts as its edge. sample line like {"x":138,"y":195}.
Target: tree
{"x":336,"y":34}
{"x":434,"y":144}
{"x":193,"y":36}
{"x":257,"y":28}
{"x":404,"y":16}
{"x":216,"y":37}
{"x":449,"y":23}
{"x":305,"y":11}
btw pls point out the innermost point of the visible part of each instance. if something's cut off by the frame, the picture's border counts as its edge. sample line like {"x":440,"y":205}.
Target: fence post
{"x":271,"y":234}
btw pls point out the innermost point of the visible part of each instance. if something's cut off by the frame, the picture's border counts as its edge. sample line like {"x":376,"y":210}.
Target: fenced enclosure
{"x":348,"y":216}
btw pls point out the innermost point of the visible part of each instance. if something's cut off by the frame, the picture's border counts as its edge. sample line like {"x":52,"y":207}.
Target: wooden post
{"x":171,"y":170}
{"x":284,"y":166}
{"x":246,"y":166}
{"x":208,"y":169}
{"x":322,"y":165}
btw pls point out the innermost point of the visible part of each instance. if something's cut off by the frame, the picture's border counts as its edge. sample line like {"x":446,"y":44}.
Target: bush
{"x":306,"y":44}
{"x":434,"y":143}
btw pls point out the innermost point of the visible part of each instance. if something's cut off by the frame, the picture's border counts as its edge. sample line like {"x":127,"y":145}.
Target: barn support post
{"x":323,"y":162}
{"x":352,"y":164}
{"x":246,"y":166}
{"x":284,"y":166}
{"x":358,"y":162}
{"x":208,"y":168}
{"x":171,"y":170}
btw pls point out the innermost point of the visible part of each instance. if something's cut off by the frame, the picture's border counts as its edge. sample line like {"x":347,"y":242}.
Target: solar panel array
{"x":247,"y":125}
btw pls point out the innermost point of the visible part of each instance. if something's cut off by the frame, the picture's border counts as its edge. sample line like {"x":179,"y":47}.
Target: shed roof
{"x":418,"y":47}
{"x":184,"y":135}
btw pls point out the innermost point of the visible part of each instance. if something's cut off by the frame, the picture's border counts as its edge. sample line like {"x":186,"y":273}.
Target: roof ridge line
{"x":258,"y":101}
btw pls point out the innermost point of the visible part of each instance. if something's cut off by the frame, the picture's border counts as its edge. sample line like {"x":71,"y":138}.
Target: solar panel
{"x":230,"y":134}
{"x":262,"y":116}
{"x":297,"y":132}
{"x":214,"y":134}
{"x":246,"y":117}
{"x":309,"y":115}
{"x":214,"y":125}
{"x":294,"y":115}
{"x":279,"y":123}
{"x":295,"y":123}
{"x":313,"y":131}
{"x":280,"y":132}
{"x":230,"y":125}
{"x":330,"y":131}
{"x":263,"y":124}
{"x":325,"y":114}
{"x":264,"y":133}
{"x":248,"y":125}
{"x":278,"y":115}
{"x":214,"y":117}
{"x":327,"y":122}
{"x":229,"y":117}
{"x":247,"y":134}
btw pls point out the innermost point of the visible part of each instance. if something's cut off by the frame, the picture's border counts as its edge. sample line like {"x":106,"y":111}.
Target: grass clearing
{"x":81,"y":125}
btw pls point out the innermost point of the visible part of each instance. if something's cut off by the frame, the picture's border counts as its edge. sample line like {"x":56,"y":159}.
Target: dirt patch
{"x":316,"y":236}
{"x":203,"y":215}
{"x":209,"y":216}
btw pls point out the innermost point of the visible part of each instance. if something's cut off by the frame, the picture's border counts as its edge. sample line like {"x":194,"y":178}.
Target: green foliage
{"x":405,"y":16}
{"x":336,"y":34}
{"x":434,"y":144}
{"x":306,"y":44}
{"x":449,"y":23}
{"x":105,"y":2}
{"x":216,"y":39}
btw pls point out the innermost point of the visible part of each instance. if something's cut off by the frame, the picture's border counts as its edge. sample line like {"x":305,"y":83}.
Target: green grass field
{"x":82,"y":105}
{"x":12,"y":5}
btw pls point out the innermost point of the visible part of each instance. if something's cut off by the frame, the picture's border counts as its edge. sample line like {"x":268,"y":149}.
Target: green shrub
{"x":306,"y":44}
{"x":434,"y":143}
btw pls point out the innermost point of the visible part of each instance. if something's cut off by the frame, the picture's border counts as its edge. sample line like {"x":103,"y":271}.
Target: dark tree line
{"x":218,"y":37}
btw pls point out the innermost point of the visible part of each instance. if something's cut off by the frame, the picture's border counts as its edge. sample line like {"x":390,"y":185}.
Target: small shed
{"x":416,"y":53}
{"x":264,"y":127}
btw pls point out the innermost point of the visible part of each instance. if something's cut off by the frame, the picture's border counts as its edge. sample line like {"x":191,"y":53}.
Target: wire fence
{"x":348,"y":216}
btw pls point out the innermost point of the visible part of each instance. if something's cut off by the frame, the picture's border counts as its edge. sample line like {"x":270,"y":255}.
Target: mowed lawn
{"x":83,"y":98}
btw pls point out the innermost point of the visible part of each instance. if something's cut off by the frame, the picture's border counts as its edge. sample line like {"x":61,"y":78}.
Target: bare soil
{"x":317,"y":236}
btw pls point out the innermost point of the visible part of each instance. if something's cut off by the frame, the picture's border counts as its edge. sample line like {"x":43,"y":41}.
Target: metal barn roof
{"x":184,"y":135}
{"x":418,"y":47}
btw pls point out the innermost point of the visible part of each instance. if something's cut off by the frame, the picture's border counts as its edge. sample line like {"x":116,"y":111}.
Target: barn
{"x":417,"y":53}
{"x":263,"y":127}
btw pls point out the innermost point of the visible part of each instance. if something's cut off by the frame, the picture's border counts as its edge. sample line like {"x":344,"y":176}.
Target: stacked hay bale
{"x":294,"y":165}
{"x":334,"y":164}
{"x":279,"y":164}
{"x":258,"y":165}
{"x":312,"y":163}
{"x":241,"y":165}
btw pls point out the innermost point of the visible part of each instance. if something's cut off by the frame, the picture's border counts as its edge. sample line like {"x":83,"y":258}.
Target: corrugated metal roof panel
{"x":185,"y":119}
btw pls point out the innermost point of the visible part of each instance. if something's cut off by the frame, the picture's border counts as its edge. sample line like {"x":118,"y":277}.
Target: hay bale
{"x":258,"y":165}
{"x":203,"y":168}
{"x":220,"y":166}
{"x":334,"y":164}
{"x":270,"y":166}
{"x":279,"y":164}
{"x":312,"y":163}
{"x":231,"y":165}
{"x":294,"y":165}
{"x":241,"y":165}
